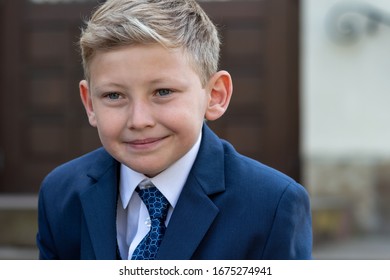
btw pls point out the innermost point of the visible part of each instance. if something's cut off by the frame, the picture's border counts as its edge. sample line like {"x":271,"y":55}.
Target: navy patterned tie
{"x":157,"y":205}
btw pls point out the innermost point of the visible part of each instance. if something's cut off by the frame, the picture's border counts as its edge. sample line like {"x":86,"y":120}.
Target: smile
{"x":146,"y":143}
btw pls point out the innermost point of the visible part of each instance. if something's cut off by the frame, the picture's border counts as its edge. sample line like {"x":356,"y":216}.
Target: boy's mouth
{"x":145,"y":143}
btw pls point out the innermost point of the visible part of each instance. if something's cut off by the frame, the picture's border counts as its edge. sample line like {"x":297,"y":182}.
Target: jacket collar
{"x":195,"y":211}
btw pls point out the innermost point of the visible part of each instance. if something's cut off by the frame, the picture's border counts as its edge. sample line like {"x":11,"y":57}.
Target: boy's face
{"x":147,"y":103}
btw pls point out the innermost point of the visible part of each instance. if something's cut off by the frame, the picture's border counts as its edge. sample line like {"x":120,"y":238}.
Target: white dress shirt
{"x":132,"y":214}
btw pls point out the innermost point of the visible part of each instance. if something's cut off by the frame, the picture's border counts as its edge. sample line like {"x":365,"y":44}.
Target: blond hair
{"x":171,"y":23}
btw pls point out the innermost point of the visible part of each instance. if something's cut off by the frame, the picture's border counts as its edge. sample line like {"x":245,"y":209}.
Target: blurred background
{"x":311,"y":98}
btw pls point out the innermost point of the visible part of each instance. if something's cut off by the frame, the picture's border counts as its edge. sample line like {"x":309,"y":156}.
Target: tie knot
{"x":155,"y":201}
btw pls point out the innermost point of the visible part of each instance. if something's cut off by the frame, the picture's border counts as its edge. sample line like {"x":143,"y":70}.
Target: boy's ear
{"x":220,"y":87}
{"x":87,"y":102}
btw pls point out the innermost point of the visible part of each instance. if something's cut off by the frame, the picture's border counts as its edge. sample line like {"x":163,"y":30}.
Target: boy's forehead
{"x":144,"y":48}
{"x":99,"y":58}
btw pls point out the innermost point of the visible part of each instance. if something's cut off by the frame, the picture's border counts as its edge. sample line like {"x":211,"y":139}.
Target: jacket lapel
{"x":99,"y":207}
{"x":195,"y":211}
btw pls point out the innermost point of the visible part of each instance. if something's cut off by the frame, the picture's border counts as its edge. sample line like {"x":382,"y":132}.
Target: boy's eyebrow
{"x":107,"y":85}
{"x":103,"y":86}
{"x":165,"y":79}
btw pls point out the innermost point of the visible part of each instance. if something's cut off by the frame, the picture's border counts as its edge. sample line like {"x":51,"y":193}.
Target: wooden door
{"x":261,"y":50}
{"x":43,"y":123}
{"x":42,"y":120}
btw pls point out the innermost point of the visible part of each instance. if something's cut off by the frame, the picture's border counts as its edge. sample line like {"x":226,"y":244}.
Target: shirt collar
{"x":170,"y":182}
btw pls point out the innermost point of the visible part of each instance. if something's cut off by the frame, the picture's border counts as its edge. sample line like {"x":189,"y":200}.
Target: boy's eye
{"x":163,"y":92}
{"x":113,"y":95}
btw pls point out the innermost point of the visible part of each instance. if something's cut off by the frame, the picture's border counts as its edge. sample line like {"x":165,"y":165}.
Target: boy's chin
{"x":147,"y":172}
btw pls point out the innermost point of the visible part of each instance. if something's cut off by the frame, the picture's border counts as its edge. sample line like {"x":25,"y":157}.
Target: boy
{"x":151,"y":80}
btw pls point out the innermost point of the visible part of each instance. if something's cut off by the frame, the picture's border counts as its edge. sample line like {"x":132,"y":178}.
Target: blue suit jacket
{"x":231,"y":207}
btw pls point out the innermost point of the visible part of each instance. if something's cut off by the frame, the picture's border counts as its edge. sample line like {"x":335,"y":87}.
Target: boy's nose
{"x":140,"y":115}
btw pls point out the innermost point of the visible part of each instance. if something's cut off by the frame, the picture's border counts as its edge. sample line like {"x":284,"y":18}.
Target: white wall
{"x":345,"y":103}
{"x":345,"y":88}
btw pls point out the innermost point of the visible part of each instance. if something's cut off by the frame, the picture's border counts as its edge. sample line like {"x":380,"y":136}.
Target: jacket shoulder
{"x":253,"y":172}
{"x":79,"y":169}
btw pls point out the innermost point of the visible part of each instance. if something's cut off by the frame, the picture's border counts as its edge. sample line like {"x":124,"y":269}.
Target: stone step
{"x":18,"y":219}
{"x":18,"y":253}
